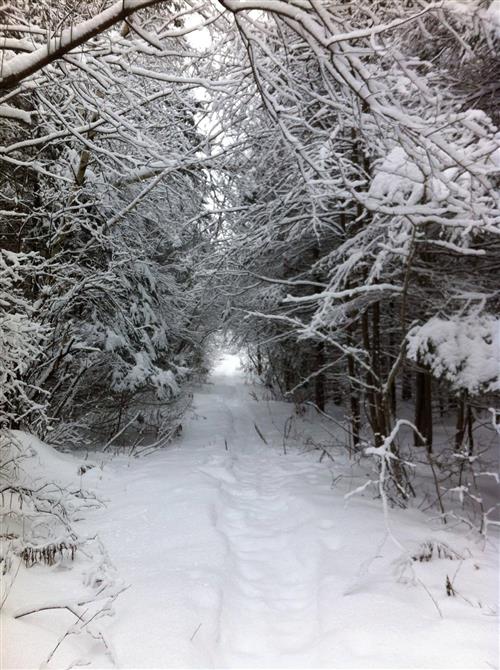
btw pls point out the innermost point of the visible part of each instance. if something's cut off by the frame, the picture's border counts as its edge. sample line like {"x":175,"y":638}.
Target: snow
{"x":463,"y":349}
{"x":21,"y":65}
{"x":114,"y":341}
{"x":238,"y":553}
{"x":144,"y":370}
{"x":42,"y":460}
{"x":398,"y":179}
{"x":492,"y":14}
{"x":8,"y":112}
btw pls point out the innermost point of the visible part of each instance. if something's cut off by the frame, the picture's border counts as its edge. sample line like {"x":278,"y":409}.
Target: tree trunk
{"x":259,"y":362}
{"x":423,"y":409}
{"x":370,"y":393}
{"x":354,"y":401}
{"x":406,"y":387}
{"x":319,"y":385}
{"x":470,"y":425}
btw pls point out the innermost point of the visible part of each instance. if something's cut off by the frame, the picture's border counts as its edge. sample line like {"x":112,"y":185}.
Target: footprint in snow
{"x":219,"y":473}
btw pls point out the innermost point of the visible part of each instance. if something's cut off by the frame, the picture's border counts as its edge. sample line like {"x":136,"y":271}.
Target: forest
{"x":310,"y":187}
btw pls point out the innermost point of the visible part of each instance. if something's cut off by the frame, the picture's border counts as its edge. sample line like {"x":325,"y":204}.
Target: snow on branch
{"x":464,"y":350}
{"x":8,"y":112}
{"x":23,"y":65}
{"x":347,"y":293}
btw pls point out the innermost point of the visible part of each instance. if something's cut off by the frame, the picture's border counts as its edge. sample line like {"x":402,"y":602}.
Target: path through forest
{"x":236,"y":554}
{"x":239,"y":555}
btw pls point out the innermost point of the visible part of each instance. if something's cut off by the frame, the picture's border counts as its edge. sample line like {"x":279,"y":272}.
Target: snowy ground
{"x":237,"y":554}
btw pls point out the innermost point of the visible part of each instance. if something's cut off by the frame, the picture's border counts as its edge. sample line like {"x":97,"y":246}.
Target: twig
{"x":324,"y":453}
{"x":48,"y":607}
{"x":260,"y":434}
{"x":9,"y":587}
{"x":194,"y":634}
{"x":436,"y":484}
{"x":133,"y":420}
{"x":430,"y":596}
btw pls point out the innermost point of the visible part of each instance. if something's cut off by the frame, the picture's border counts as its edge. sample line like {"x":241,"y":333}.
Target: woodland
{"x":314,"y":183}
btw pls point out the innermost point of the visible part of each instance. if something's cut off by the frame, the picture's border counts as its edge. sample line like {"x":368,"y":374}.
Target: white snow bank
{"x":41,"y":493}
{"x":57,"y":581}
{"x":40,"y":461}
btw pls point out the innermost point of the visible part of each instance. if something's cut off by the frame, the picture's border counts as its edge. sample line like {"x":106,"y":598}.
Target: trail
{"x":239,"y":555}
{"x":215,"y":562}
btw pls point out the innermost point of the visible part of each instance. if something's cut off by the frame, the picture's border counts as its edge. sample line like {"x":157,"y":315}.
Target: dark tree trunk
{"x":390,"y":360}
{"x":375,"y":352}
{"x":354,"y":401}
{"x":423,"y":409}
{"x":259,"y":362}
{"x":406,"y":387}
{"x":370,"y":393}
{"x":460,"y":423}
{"x":337,"y":395}
{"x":470,"y":426}
{"x":319,"y":380}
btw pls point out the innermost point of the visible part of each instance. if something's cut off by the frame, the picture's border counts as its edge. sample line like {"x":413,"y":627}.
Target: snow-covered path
{"x":217,"y":567}
{"x":237,"y":554}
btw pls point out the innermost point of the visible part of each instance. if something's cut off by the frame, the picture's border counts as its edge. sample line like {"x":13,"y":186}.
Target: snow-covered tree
{"x":109,"y":190}
{"x":392,"y":153}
